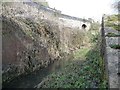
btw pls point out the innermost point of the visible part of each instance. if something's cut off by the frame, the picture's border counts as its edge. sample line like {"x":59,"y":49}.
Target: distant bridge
{"x":67,"y":20}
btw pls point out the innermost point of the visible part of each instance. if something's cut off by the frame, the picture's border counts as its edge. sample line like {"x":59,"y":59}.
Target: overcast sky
{"x":83,"y":8}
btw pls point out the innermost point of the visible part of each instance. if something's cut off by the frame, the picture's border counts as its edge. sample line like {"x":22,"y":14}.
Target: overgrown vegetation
{"x":113,"y":35}
{"x":113,"y":21}
{"x":115,"y":46}
{"x":87,"y":72}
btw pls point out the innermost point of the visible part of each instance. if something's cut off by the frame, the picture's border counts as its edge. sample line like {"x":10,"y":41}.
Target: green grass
{"x":115,"y":46}
{"x":113,"y":35}
{"x":81,"y":53}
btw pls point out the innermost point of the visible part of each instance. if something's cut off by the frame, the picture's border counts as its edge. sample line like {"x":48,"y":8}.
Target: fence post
{"x":103,"y":49}
{"x":102,"y":38}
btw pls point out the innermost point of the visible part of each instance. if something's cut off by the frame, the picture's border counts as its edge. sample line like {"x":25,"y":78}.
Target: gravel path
{"x":113,"y":59}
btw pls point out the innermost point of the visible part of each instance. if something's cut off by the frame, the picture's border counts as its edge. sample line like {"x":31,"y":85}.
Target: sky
{"x":83,"y":8}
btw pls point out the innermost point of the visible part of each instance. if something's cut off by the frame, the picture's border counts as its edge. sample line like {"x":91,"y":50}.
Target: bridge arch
{"x":84,"y":26}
